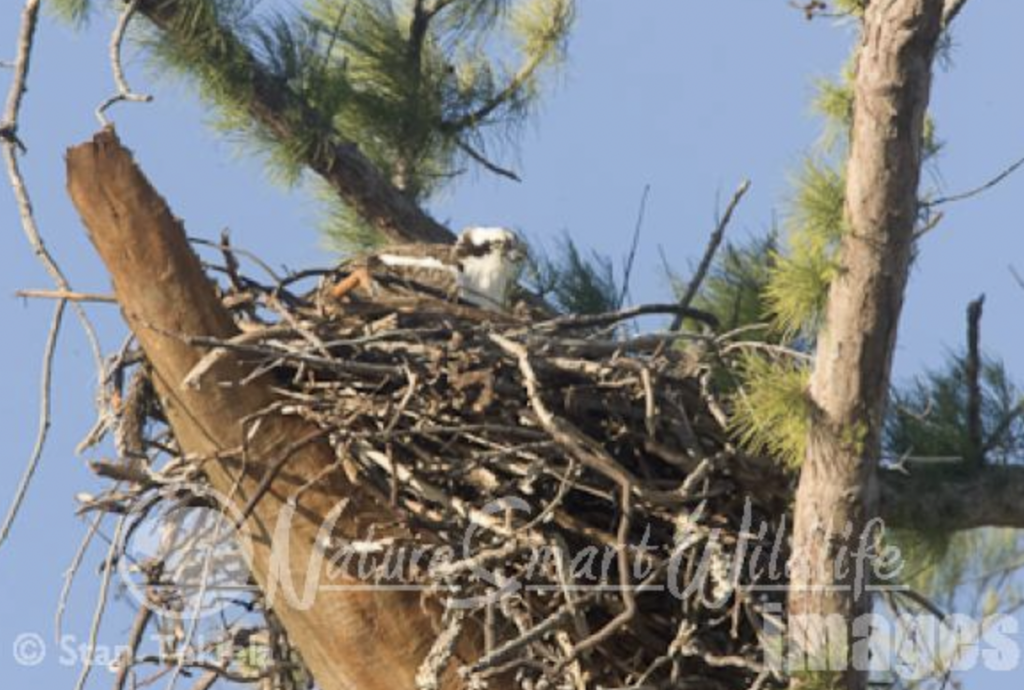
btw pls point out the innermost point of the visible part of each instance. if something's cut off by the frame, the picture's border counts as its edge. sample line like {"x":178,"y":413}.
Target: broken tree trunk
{"x":367,"y":639}
{"x":837,"y":493}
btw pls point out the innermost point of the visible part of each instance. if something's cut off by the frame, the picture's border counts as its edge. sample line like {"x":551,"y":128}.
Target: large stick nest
{"x":580,"y":476}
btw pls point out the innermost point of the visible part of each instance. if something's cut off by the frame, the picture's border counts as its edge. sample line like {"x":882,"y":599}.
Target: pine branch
{"x":274,"y":105}
{"x":515,"y":84}
{"x":935,"y":499}
{"x":418,"y":28}
{"x":488,"y":164}
{"x":709,"y":254}
{"x":541,"y":41}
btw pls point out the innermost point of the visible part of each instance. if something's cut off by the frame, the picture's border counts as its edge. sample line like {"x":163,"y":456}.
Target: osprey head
{"x":490,"y":260}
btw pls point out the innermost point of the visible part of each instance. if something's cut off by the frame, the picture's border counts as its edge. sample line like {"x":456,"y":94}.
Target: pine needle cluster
{"x":573,"y":281}
{"x":929,"y":415}
{"x":771,"y":409}
{"x":426,"y":89}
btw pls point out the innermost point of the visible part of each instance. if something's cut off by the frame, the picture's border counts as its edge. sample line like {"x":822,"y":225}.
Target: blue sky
{"x":689,"y":97}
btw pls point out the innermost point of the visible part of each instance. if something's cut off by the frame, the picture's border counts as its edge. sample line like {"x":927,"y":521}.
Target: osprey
{"x":480,"y":268}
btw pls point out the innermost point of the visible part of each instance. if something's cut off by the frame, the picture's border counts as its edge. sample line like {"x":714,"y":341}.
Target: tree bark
{"x":365,"y":640}
{"x":837,"y":492}
{"x":274,"y":106}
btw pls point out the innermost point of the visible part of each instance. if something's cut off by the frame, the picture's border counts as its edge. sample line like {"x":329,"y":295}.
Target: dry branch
{"x":13,"y":147}
{"x":709,"y":254}
{"x":366,"y":640}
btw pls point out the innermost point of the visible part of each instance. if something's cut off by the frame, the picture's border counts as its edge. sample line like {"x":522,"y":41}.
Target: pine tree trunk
{"x":837,"y":493}
{"x":366,"y":640}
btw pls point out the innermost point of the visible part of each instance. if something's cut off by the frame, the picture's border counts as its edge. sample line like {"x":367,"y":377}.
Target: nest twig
{"x":590,"y":500}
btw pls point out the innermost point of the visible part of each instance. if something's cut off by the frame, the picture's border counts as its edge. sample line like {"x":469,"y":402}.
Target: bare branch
{"x":44,"y":423}
{"x":11,"y":144}
{"x":573,"y":321}
{"x":11,"y":147}
{"x":71,"y":572}
{"x":1012,"y":168}
{"x":26,"y":36}
{"x":487,"y":163}
{"x":66,"y":296}
{"x":101,"y":604}
{"x":131,"y":646}
{"x":124,"y":91}
{"x":634,"y":245}
{"x":709,"y":255}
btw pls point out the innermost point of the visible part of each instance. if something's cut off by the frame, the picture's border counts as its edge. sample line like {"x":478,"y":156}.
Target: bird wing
{"x":409,"y":270}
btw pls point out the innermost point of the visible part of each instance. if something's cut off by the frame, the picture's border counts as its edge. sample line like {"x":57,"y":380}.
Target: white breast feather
{"x":485,"y":280}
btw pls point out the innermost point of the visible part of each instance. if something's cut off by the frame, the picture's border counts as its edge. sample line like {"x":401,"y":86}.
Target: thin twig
{"x":487,"y":163}
{"x":12,"y":146}
{"x":1017,"y":277}
{"x":930,"y":224}
{"x":124,"y":91}
{"x":274,"y":470}
{"x":101,"y":604}
{"x":196,"y":613}
{"x":241,"y":252}
{"x":573,"y":321}
{"x":709,"y":254}
{"x":44,"y":423}
{"x":634,"y":245}
{"x":1014,"y":167}
{"x":65,"y":295}
{"x":71,"y":572}
{"x":337,"y":364}
{"x":517,"y":82}
{"x":131,"y":647}
{"x":11,"y":143}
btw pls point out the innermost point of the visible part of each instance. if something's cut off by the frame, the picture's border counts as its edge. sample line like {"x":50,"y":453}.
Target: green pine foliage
{"x":76,"y":12}
{"x":815,"y":219}
{"x":851,"y":7}
{"x":426,"y":89}
{"x":734,"y":288}
{"x":928,"y":417}
{"x":833,"y":103}
{"x":770,"y":410}
{"x":800,"y":276}
{"x":573,"y":282}
{"x":800,"y":279}
{"x":969,"y":571}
